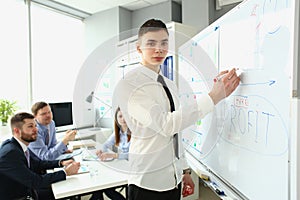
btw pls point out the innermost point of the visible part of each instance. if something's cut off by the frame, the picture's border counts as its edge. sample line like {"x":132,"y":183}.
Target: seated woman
{"x":121,"y":140}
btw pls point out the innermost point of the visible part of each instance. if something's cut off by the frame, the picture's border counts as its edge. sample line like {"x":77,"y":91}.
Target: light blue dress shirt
{"x":48,"y":151}
{"x":123,"y":147}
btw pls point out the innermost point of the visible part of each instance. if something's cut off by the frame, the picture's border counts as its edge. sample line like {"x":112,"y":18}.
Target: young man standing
{"x":151,"y":108}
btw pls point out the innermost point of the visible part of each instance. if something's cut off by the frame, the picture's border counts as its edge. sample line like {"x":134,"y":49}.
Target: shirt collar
{"x":43,"y":127}
{"x":150,"y":73}
{"x":24,"y":147}
{"x":122,"y":133}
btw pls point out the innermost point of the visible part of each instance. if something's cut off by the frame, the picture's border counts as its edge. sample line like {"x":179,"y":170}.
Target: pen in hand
{"x":219,"y":78}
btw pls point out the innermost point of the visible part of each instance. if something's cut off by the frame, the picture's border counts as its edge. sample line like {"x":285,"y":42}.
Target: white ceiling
{"x":94,"y":6}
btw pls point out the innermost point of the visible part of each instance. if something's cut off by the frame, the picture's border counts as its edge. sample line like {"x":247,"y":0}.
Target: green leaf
{"x":7,"y":109}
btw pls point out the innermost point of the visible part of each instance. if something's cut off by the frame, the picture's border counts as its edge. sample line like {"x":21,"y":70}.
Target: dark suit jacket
{"x":16,"y":179}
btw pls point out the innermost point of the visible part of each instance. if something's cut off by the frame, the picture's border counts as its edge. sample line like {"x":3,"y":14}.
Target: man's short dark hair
{"x":37,"y":106}
{"x":152,"y":25}
{"x":18,"y":119}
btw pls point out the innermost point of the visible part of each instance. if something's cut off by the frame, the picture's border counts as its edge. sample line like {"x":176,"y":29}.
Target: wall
{"x":202,"y":13}
{"x":125,"y":23}
{"x":216,"y":14}
{"x":167,"y":12}
{"x":195,"y":13}
{"x":176,"y":12}
{"x":96,"y":28}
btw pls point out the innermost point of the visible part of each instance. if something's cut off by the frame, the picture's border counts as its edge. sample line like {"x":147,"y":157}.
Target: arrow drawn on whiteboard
{"x":195,"y":42}
{"x":270,"y":82}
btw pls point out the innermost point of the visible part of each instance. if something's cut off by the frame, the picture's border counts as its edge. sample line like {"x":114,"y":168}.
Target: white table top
{"x":102,"y":175}
{"x":87,"y":133}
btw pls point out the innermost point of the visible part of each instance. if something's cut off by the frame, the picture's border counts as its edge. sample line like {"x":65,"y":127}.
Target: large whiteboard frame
{"x":294,"y":162}
{"x":295,"y":114}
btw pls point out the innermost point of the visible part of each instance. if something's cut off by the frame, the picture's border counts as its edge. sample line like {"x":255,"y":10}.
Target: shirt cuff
{"x":123,"y":156}
{"x":184,"y":162}
{"x":64,"y":171}
{"x":62,"y":147}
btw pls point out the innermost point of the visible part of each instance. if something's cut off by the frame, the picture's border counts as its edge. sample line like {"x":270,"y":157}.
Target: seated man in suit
{"x":46,"y":147}
{"x":18,"y":171}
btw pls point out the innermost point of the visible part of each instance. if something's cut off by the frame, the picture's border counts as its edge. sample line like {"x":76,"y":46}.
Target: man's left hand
{"x":188,"y":185}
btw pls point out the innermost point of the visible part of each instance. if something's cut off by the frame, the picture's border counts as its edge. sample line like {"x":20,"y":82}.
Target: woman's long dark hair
{"x":117,"y":127}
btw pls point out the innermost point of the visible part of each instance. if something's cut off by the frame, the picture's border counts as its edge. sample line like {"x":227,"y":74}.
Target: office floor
{"x":205,"y":193}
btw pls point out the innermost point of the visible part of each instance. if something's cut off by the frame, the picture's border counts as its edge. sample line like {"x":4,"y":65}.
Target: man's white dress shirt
{"x":146,"y":109}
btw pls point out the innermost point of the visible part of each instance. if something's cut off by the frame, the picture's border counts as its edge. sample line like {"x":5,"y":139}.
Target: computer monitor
{"x":62,"y":115}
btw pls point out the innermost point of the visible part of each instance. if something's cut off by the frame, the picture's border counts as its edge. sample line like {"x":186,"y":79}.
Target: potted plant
{"x":7,"y":108}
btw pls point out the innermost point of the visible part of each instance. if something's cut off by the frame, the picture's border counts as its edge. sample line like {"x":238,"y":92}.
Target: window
{"x":14,"y":63}
{"x":57,"y":54}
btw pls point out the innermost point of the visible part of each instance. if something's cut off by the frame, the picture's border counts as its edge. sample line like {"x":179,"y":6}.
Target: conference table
{"x":100,"y":175}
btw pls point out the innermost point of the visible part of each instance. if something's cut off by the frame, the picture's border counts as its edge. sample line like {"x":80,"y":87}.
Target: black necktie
{"x":161,"y":80}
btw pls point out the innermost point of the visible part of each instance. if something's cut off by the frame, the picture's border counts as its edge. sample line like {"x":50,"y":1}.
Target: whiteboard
{"x":245,"y":141}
